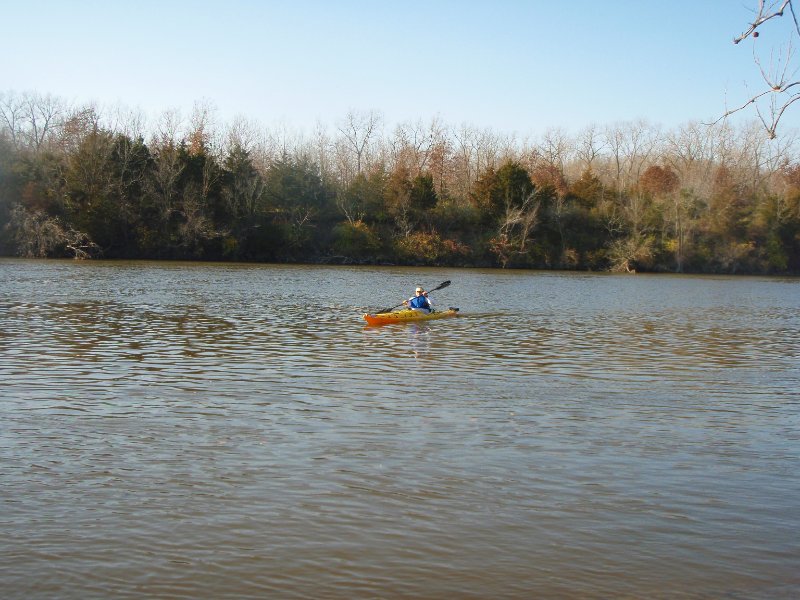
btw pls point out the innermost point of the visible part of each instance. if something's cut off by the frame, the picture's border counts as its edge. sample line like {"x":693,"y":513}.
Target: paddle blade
{"x":385,"y":310}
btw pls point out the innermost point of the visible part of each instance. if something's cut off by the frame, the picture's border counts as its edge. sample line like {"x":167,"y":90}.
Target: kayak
{"x":407,"y":316}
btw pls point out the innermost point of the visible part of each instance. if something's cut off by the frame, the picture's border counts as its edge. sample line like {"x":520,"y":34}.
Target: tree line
{"x":77,"y":181}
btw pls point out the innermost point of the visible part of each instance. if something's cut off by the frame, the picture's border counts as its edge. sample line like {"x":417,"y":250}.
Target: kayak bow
{"x":407,"y":316}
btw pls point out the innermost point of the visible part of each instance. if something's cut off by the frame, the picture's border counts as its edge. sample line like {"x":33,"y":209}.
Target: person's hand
{"x":405,"y":302}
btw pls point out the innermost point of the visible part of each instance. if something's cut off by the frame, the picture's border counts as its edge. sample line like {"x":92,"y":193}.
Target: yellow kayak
{"x":407,"y":315}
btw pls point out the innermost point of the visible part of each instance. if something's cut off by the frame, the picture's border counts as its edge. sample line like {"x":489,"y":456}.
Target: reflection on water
{"x":176,"y":430}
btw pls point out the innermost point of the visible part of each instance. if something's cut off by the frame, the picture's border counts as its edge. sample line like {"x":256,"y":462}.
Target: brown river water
{"x":176,"y":430}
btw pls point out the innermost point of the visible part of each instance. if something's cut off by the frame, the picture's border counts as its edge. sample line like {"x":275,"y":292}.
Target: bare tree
{"x":199,"y":136}
{"x":11,"y":116}
{"x":203,"y":141}
{"x":477,"y":151}
{"x":359,"y":129}
{"x":690,"y":152}
{"x":244,"y":133}
{"x":492,"y":150}
{"x":441,"y":165}
{"x":37,"y":236}
{"x":555,"y":148}
{"x":782,"y":89}
{"x":31,"y":119}
{"x":627,"y":252}
{"x":44,"y":115}
{"x":515,"y":228}
{"x":589,"y":147}
{"x":464,"y":160}
{"x":413,"y":145}
{"x":167,"y":165}
{"x":320,"y":148}
{"x":632,"y":146}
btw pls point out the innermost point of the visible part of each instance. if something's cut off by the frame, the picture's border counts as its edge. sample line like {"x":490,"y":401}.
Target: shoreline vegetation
{"x":79,"y":182}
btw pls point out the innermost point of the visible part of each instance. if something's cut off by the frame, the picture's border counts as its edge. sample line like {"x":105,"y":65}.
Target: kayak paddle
{"x":442,"y":285}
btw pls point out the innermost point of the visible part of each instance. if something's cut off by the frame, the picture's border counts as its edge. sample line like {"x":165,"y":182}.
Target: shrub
{"x":430,"y":249}
{"x":355,"y":240}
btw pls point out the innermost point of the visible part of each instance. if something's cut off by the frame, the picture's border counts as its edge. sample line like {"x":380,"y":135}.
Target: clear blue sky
{"x":511,"y":66}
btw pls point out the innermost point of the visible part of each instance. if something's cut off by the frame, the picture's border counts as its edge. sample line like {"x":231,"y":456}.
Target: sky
{"x":512,"y":66}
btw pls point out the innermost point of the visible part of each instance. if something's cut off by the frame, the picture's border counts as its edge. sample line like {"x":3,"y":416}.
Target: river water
{"x":178,"y":430}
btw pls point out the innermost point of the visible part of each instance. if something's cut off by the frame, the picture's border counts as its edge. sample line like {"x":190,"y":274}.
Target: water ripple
{"x":176,"y":430}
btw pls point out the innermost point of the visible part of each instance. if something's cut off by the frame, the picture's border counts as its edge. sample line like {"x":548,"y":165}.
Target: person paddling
{"x":420,"y":301}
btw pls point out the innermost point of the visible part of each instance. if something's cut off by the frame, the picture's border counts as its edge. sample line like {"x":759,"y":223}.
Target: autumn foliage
{"x":693,"y":200}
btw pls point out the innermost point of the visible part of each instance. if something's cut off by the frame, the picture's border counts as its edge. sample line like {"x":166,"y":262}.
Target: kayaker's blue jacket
{"x":419,"y":302}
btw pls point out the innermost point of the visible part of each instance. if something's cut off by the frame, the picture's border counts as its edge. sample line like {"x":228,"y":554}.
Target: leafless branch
{"x":777,"y":76}
{"x":765,"y":13}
